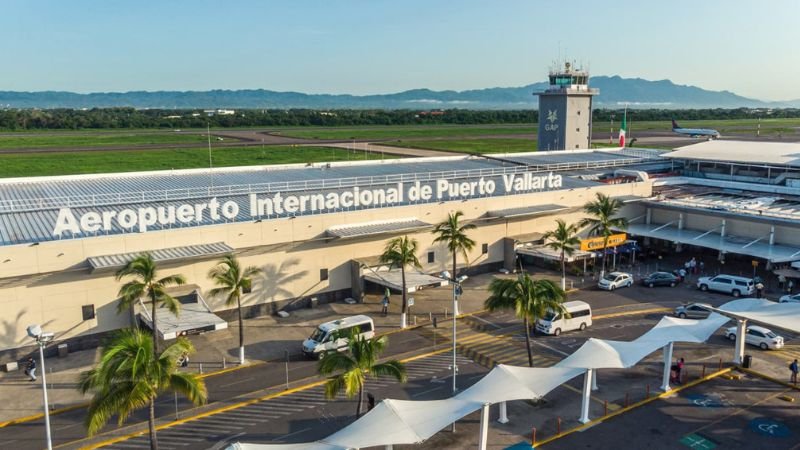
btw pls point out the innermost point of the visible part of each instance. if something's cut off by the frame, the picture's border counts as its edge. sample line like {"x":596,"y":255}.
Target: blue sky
{"x":377,"y":46}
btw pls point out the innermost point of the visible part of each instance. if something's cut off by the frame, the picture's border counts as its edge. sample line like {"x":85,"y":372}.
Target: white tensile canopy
{"x":409,"y":422}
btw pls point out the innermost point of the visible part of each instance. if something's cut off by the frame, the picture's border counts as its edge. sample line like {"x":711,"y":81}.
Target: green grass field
{"x":403,"y":131}
{"x":49,"y":164}
{"x":474,"y":146}
{"x":98,"y":140}
{"x":738,"y":126}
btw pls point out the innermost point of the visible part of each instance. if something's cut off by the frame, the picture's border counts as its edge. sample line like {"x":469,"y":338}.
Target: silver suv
{"x":728,"y":284}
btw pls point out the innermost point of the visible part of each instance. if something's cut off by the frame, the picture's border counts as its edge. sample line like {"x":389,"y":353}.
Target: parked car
{"x":758,"y":336}
{"x":660,"y":279}
{"x":693,"y":311}
{"x":580,"y":317}
{"x":613,"y":280}
{"x":334,"y":336}
{"x":728,"y":284}
{"x":790,"y":299}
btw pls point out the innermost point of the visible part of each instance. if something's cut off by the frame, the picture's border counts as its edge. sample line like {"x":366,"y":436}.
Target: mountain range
{"x":615,"y":92}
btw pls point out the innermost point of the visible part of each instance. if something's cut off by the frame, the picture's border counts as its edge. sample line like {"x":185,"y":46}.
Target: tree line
{"x":166,"y":119}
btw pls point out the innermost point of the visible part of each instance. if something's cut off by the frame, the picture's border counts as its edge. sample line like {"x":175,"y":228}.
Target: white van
{"x":580,"y":317}
{"x":333,"y":336}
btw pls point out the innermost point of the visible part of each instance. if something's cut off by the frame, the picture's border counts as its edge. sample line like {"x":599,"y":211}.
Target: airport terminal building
{"x":315,"y":230}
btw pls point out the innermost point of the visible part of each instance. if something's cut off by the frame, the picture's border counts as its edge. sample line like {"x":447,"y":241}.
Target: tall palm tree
{"x":530,"y":299}
{"x":454,"y":235}
{"x":146,"y":284}
{"x":233,"y":281}
{"x":563,"y":239}
{"x":602,"y":221}
{"x":130,"y":376}
{"x":401,"y":252}
{"x":356,"y":365}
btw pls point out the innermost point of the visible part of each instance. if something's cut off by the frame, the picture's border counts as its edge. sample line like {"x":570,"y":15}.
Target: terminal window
{"x":88,"y":312}
{"x":323,"y":274}
{"x":431,"y":257}
{"x":484,"y":249}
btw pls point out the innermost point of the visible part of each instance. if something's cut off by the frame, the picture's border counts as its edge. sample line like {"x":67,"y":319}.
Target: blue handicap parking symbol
{"x":520,"y":446}
{"x":706,"y":401}
{"x":770,"y":427}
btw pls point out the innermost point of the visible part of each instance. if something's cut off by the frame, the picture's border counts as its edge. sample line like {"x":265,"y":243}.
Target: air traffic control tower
{"x":565,"y":110}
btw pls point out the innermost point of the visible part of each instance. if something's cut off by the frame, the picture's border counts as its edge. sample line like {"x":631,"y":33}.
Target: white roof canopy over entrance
{"x":542,"y":251}
{"x":195,"y":317}
{"x":415,"y":281}
{"x":759,"y":248}
{"x":375,"y":228}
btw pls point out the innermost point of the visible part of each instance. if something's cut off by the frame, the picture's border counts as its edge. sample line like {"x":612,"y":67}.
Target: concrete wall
{"x":48,"y":283}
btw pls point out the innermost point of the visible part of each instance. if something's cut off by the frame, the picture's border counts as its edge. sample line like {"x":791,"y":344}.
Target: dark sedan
{"x":660,"y":279}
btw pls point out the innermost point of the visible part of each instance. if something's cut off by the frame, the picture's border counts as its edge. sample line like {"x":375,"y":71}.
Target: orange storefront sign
{"x":591,"y":244}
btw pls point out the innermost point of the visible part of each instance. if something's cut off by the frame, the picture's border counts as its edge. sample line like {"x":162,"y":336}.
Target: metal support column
{"x":503,"y":413}
{"x":667,"y":367}
{"x":594,"y":380}
{"x":483,"y":439}
{"x":741,"y":327}
{"x":586,"y":396}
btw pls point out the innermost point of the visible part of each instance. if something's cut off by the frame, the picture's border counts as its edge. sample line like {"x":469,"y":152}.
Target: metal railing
{"x":72,"y":201}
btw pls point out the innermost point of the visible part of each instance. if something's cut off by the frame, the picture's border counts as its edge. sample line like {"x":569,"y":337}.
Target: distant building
{"x":565,"y":110}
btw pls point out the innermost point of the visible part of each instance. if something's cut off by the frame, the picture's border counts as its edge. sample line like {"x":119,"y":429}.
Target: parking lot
{"x":721,"y":413}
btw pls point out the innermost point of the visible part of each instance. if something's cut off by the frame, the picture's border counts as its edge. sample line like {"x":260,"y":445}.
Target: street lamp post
{"x":42,"y":338}
{"x":456,"y":293}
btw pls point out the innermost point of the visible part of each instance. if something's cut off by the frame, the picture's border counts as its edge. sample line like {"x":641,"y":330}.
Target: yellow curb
{"x":768,"y":378}
{"x":633,"y":313}
{"x":635,"y":405}
{"x":41,"y":415}
{"x":232,"y":406}
{"x":786,"y":398}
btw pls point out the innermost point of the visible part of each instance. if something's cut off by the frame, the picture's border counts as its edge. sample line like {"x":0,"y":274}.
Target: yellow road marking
{"x":228,"y":408}
{"x":594,"y":422}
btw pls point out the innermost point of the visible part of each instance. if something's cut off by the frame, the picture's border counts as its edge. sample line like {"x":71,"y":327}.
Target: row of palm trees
{"x":132,"y":372}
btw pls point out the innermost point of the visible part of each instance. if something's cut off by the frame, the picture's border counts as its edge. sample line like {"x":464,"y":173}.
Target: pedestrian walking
{"x":793,"y":368}
{"x":680,"y":370}
{"x":693,"y":266}
{"x":759,"y":289}
{"x":30,"y":369}
{"x":781,"y":282}
{"x":789,"y":286}
{"x":385,"y":306}
{"x":702,"y":267}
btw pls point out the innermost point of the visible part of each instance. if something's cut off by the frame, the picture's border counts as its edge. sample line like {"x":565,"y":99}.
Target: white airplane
{"x":695,"y":132}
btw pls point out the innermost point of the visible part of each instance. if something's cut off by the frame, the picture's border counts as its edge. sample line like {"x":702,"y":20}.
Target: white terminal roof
{"x":744,"y":152}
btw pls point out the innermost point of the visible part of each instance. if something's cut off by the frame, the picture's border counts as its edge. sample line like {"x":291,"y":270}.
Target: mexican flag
{"x":622,"y":130}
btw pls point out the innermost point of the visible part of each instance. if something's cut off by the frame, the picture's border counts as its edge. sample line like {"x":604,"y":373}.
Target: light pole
{"x":456,"y":293}
{"x":42,"y":338}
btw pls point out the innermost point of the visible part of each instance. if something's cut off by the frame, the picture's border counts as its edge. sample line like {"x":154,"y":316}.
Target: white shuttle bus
{"x":333,"y":336}
{"x":580,"y":317}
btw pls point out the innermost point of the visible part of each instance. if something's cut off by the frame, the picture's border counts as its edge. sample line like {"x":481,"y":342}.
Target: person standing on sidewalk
{"x":30,"y":369}
{"x":759,"y":289}
{"x":384,"y":306}
{"x":793,"y":368}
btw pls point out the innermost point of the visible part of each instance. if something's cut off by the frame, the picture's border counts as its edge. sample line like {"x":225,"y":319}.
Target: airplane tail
{"x":675,"y":124}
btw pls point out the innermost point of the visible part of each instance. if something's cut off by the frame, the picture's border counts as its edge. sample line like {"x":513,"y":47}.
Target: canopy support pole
{"x":587,"y":387}
{"x":389,"y":447}
{"x":484,"y":427}
{"x":594,"y":380}
{"x":741,"y":327}
{"x":667,"y":367}
{"x":503,"y":413}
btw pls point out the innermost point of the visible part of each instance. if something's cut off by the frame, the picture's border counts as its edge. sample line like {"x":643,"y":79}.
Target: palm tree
{"x":400,"y":252}
{"x":130,"y":376}
{"x":146,"y":284}
{"x":452,"y":233}
{"x":602,"y":223}
{"x":530,"y":299}
{"x":563,"y":239}
{"x":232,"y":282}
{"x":356,"y":365}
